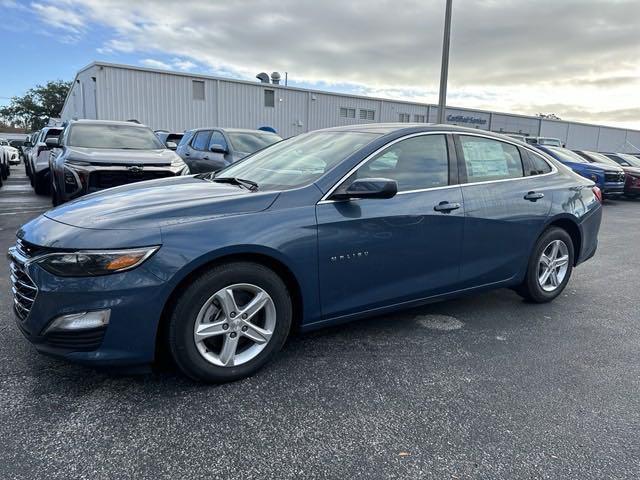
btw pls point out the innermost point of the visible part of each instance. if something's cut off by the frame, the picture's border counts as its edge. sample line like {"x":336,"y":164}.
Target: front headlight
{"x":91,"y":263}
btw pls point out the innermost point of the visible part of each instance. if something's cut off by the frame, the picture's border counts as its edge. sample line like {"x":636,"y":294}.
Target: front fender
{"x":288,"y":237}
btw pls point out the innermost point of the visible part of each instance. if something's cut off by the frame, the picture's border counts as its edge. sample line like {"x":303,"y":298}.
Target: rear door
{"x":506,"y":205}
{"x":379,"y":252}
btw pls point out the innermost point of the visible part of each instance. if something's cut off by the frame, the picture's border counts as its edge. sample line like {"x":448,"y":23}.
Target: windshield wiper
{"x":237,"y":181}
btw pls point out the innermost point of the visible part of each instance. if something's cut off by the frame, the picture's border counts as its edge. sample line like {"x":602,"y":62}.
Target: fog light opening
{"x":80,"y":321}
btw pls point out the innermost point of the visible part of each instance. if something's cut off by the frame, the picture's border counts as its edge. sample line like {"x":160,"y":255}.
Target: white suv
{"x":39,"y":159}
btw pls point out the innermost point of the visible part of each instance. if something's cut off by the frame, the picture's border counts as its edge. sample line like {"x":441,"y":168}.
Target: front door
{"x":380,"y":252}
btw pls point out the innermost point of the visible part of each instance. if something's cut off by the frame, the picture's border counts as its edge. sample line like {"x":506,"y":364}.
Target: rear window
{"x":52,"y":133}
{"x":127,"y":137}
{"x":249,"y":142}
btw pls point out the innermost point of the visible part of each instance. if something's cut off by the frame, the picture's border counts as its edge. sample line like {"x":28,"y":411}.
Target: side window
{"x":416,"y":163}
{"x":487,"y":159}
{"x":537,"y":165}
{"x":186,"y":138}
{"x":217,"y":139}
{"x":201,"y":140}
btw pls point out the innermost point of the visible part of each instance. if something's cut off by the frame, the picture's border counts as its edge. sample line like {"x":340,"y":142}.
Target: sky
{"x":578,"y":59}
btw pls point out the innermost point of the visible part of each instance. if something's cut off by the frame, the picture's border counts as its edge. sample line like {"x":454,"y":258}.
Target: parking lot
{"x":482,"y":387}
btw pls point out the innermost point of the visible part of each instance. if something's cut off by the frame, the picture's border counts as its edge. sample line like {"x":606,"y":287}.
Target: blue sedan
{"x":319,"y":229}
{"x":610,"y":179}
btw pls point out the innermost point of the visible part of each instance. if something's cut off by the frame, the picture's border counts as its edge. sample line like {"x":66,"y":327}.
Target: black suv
{"x":92,"y":155}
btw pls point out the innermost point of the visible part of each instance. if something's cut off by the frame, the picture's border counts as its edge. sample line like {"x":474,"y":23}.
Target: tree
{"x":37,"y":106}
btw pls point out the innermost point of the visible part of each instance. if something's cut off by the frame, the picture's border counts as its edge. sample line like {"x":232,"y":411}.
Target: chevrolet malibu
{"x":322,"y":228}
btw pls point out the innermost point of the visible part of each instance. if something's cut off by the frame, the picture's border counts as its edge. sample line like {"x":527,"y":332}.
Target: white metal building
{"x":178,"y":101}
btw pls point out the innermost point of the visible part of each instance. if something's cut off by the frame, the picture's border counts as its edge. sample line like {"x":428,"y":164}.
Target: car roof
{"x":85,"y":121}
{"x":399,"y":128}
{"x":222,"y":129}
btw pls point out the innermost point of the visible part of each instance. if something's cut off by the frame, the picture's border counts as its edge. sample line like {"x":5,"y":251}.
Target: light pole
{"x":444,"y":71}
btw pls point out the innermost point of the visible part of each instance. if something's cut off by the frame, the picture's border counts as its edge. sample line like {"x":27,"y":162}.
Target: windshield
{"x":567,"y":155}
{"x":249,"y":142}
{"x":630,"y":159}
{"x":600,"y":158}
{"x":553,"y":142}
{"x":113,"y":136}
{"x":299,"y":160}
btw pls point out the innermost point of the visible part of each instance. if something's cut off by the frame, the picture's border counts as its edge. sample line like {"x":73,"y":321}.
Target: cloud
{"x":151,"y":63}
{"x":505,"y":54}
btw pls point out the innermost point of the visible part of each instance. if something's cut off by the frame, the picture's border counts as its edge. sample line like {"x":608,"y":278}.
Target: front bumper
{"x":135,"y":299}
{"x":611,"y":189}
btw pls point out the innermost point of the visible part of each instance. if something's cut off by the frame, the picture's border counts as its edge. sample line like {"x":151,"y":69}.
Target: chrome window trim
{"x":325,"y":198}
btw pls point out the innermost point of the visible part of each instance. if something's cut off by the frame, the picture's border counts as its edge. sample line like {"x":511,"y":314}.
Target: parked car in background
{"x":218,"y":268}
{"x":210,"y":149}
{"x":17,"y":144}
{"x":169,"y":139}
{"x":631,"y":169}
{"x":6,"y":152}
{"x":28,"y":153}
{"x":25,"y":148}
{"x":522,"y":138}
{"x":609,"y":178}
{"x":92,"y":155}
{"x":39,"y":158}
{"x":549,"y":141}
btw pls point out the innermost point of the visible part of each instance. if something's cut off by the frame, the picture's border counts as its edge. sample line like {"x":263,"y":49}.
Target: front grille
{"x":81,"y":340}
{"x":614,"y":177}
{"x":107,"y":179}
{"x":23,"y":289}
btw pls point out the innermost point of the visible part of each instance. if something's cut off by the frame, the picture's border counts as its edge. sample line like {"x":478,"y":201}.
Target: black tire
{"x":182,"y":320}
{"x":55,"y":199}
{"x":4,"y":171}
{"x":530,"y":289}
{"x":41,"y":184}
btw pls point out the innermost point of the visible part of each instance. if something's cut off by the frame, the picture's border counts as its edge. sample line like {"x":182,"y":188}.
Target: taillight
{"x":598,"y":193}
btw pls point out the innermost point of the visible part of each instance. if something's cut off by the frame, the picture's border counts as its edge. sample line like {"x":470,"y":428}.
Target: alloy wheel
{"x":234,"y":325}
{"x":553,"y":265}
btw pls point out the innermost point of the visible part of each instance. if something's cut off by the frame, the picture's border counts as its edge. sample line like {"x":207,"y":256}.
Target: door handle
{"x":187,"y":154}
{"x":205,"y":158}
{"x":446,"y":207}
{"x":533,"y":196}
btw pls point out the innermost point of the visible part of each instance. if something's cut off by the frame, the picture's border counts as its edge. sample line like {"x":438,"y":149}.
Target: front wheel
{"x":229,"y":322}
{"x":550,"y":267}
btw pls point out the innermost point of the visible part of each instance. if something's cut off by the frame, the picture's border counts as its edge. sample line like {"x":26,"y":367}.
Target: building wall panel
{"x":612,"y":140}
{"x":165,"y":100}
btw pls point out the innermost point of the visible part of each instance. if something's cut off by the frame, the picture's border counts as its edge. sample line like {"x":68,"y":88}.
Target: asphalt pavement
{"x":485,"y":387}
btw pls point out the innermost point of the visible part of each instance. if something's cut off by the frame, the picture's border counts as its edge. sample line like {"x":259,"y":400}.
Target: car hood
{"x":632,"y":170}
{"x":607,"y":168}
{"x":161,"y":156}
{"x":9,"y":148}
{"x":157,"y":203}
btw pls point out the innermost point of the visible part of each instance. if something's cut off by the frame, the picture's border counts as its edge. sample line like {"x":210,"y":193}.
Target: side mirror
{"x":368,"y":188}
{"x":171,"y":145}
{"x":218,"y":149}
{"x":52,"y":142}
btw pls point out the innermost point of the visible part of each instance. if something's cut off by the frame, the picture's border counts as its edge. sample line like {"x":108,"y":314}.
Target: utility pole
{"x":444,"y":71}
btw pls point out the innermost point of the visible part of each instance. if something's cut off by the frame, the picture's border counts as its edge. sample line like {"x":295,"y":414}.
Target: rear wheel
{"x":229,"y":322}
{"x":550,"y":267}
